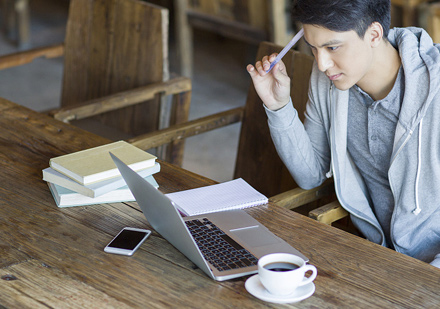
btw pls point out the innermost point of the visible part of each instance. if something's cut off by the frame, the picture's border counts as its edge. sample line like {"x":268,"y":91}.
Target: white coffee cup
{"x":282,"y":273}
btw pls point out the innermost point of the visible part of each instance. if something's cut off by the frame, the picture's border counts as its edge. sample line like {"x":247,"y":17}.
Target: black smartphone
{"x":127,"y":241}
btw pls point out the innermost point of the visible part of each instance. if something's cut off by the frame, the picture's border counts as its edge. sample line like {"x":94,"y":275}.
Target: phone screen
{"x":127,"y":239}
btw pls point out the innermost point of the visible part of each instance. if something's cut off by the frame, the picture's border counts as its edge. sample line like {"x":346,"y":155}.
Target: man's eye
{"x":333,"y":48}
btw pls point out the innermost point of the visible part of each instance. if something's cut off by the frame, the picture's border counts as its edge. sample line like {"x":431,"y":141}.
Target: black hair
{"x":343,"y":15}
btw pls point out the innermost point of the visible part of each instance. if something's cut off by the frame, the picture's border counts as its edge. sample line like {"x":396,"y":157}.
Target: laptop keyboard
{"x":218,"y":248}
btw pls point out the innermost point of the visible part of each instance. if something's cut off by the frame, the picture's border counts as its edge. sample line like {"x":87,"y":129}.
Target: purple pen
{"x":286,"y":49}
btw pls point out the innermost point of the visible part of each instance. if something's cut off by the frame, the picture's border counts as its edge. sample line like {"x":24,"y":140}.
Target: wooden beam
{"x":329,"y":213}
{"x":122,"y":99}
{"x":191,"y":128}
{"x":20,"y":58}
{"x":297,"y":197}
{"x":227,"y":28}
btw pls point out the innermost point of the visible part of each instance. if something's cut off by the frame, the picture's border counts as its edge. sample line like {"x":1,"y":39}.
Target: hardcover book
{"x":94,"y":189}
{"x":67,"y":198}
{"x":95,"y":164}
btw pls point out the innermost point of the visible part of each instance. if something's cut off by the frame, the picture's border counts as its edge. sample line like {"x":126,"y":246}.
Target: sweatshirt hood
{"x":421,"y":66}
{"x":421,"y":63}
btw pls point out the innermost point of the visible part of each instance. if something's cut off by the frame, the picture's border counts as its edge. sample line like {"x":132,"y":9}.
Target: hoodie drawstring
{"x":417,"y":210}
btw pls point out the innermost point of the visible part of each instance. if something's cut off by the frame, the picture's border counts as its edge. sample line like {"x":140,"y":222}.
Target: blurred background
{"x":225,"y":36}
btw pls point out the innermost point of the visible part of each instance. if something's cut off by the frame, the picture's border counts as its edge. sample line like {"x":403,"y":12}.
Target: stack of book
{"x":90,"y":176}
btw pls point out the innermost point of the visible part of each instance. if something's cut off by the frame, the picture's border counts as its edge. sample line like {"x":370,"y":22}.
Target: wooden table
{"x":57,"y":260}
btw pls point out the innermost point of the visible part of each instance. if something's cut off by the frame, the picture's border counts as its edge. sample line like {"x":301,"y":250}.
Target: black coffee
{"x":281,"y":266}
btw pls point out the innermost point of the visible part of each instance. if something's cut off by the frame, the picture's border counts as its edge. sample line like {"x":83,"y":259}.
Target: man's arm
{"x":305,"y":153}
{"x":307,"y":159}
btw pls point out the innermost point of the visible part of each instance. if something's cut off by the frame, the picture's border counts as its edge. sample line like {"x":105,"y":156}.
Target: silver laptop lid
{"x":162,"y":215}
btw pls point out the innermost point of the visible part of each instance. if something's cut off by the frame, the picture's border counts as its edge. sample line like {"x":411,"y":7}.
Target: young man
{"x":372,"y":121}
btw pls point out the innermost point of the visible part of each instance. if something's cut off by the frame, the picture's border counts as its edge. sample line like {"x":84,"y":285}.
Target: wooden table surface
{"x":53,"y":257}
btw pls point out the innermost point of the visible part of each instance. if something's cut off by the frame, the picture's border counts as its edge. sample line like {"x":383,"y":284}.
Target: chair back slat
{"x":113,"y":46}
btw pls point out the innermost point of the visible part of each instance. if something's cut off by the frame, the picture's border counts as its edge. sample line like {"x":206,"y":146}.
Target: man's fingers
{"x":251,"y":70}
{"x":262,"y":66}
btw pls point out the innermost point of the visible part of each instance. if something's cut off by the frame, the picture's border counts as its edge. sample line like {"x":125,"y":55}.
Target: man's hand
{"x":274,"y":87}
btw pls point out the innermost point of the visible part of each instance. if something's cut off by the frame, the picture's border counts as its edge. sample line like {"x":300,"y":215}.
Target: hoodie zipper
{"x":336,"y":184}
{"x":391,"y":188}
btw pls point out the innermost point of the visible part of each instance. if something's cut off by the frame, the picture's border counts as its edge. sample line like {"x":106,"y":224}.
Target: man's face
{"x":344,"y":57}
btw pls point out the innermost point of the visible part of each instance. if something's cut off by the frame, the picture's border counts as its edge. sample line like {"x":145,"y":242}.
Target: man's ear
{"x":375,"y":34}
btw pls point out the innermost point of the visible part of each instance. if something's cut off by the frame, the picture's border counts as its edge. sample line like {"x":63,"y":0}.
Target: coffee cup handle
{"x":312,"y":276}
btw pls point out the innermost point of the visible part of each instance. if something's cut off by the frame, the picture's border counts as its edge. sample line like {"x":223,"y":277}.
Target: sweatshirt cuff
{"x":283,"y":117}
{"x":436,"y":261}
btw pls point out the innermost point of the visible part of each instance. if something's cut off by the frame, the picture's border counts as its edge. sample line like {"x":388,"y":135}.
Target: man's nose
{"x":324,"y":61}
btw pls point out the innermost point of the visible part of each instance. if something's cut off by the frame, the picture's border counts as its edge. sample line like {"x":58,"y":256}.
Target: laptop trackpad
{"x":255,"y":236}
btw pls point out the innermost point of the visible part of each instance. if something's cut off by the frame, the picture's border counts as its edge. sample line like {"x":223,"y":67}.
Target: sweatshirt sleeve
{"x":295,"y":147}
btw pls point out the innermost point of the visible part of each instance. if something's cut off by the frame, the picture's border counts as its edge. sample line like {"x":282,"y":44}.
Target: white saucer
{"x":254,"y":286}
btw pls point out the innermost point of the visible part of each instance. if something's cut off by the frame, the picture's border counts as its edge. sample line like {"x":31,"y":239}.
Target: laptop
{"x":225,"y":245}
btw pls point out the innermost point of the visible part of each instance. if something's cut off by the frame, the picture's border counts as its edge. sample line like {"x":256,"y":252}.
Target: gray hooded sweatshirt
{"x":318,"y":150}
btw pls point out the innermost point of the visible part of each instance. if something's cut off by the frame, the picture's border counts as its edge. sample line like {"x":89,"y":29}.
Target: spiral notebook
{"x":234,"y":194}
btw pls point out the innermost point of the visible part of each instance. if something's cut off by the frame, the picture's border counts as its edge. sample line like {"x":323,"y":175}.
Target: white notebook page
{"x":234,"y":194}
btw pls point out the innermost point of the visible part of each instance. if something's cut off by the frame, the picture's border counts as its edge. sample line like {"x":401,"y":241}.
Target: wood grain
{"x":113,"y":46}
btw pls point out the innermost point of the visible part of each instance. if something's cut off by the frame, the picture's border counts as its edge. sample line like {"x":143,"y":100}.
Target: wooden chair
{"x":257,"y":160}
{"x":249,"y":21}
{"x":115,"y":57}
